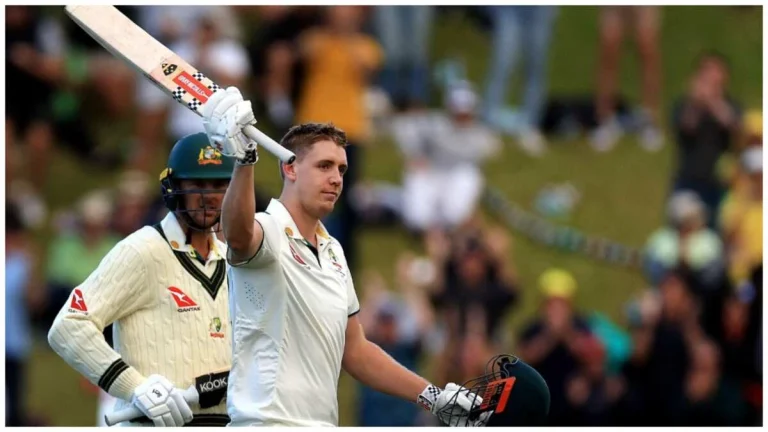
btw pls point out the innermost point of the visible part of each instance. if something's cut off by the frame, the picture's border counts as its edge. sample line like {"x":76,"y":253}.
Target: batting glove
{"x":224,"y":117}
{"x":452,"y":405}
{"x":161,"y":402}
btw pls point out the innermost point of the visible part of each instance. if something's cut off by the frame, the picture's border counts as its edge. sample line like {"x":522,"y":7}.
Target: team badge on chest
{"x":336,"y":264}
{"x":215,"y":327}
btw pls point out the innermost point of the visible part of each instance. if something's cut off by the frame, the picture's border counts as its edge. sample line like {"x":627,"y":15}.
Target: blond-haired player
{"x":293,"y":303}
{"x":165,"y":289}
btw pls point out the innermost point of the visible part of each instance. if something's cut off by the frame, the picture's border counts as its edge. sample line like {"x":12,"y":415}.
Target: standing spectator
{"x":20,"y":295}
{"x":554,"y":343}
{"x":443,"y":150}
{"x":396,"y":323}
{"x":742,"y":219}
{"x":404,"y":32}
{"x":518,"y":29}
{"x":613,"y":22}
{"x":705,"y":123}
{"x":340,"y":60}
{"x":215,"y":51}
{"x":76,"y":252}
{"x":274,"y":56}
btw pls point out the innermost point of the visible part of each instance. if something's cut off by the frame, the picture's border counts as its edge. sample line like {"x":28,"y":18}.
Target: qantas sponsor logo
{"x":183,"y":301}
{"x":77,"y":304}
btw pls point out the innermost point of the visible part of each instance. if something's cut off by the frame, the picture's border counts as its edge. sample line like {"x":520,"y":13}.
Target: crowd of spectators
{"x":689,"y":350}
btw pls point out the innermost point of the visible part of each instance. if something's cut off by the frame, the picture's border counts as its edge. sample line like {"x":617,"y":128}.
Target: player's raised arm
{"x":224,"y":117}
{"x":112,"y":291}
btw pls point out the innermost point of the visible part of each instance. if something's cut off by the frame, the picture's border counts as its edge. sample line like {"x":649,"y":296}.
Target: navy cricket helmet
{"x":513,"y":392}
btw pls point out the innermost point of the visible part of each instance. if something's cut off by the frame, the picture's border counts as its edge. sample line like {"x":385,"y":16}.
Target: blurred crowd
{"x":689,"y":351}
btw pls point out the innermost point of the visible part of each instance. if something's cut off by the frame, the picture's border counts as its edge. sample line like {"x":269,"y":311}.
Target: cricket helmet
{"x":192,"y":158}
{"x":513,"y":393}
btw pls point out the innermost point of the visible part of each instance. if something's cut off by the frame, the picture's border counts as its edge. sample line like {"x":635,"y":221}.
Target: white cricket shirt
{"x":289,"y":309}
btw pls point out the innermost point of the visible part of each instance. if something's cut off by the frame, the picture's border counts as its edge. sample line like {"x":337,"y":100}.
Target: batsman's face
{"x":320,"y":177}
{"x":203,"y":199}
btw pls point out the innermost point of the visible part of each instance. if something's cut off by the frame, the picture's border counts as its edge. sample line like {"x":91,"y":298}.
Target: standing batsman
{"x":165,"y":289}
{"x":293,"y":303}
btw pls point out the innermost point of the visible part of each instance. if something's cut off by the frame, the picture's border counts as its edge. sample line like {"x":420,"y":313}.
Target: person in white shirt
{"x":165,"y":289}
{"x":292,"y":302}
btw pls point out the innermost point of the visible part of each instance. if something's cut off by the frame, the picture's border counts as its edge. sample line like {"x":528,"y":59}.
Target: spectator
{"x":404,"y":32}
{"x":686,"y":241}
{"x":655,"y":374}
{"x":21,"y":297}
{"x":742,"y":219}
{"x":553,"y":343}
{"x":273,"y":52}
{"x":705,"y":122}
{"x":132,"y":208}
{"x":397,"y":325}
{"x":75,"y":253}
{"x":443,"y":150}
{"x":711,"y":398}
{"x":340,"y":60}
{"x":592,"y":394}
{"x":613,"y":22}
{"x":518,"y":29}
{"x":214,"y":49}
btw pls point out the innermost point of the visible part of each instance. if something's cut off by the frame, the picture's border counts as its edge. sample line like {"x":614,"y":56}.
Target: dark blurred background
{"x":579,"y":186}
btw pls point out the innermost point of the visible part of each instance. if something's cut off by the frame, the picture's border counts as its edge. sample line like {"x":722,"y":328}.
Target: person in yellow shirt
{"x":742,"y":218}
{"x":340,"y":61}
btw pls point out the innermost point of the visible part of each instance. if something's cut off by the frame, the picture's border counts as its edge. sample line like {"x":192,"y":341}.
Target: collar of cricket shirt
{"x":279,"y":212}
{"x":178,"y":240}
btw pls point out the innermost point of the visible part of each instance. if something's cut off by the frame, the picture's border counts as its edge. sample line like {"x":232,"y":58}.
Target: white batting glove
{"x":224,"y":117}
{"x":164,"y":404}
{"x":452,"y":405}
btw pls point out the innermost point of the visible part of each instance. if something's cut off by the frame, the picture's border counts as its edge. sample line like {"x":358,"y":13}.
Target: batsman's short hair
{"x":300,"y":138}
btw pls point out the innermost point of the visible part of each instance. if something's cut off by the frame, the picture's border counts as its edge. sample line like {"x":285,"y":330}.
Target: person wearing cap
{"x":443,"y":151}
{"x":554,"y":343}
{"x":686,"y":240}
{"x":165,"y":288}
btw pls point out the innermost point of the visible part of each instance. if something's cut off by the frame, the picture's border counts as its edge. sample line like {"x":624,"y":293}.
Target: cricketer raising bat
{"x":124,"y":39}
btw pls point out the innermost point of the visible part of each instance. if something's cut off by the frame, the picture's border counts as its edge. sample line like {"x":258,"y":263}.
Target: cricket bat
{"x":126,"y":40}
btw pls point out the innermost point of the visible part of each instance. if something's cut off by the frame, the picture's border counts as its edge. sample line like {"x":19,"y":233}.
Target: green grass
{"x":623,"y":191}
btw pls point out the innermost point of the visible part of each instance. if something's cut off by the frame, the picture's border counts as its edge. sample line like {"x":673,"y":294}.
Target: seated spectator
{"x":395,"y":323}
{"x":686,"y":241}
{"x":443,"y":150}
{"x":132,"y":206}
{"x":592,"y":394}
{"x":655,"y":373}
{"x":73,"y":255}
{"x":712,"y":399}
{"x":554,"y":343}
{"x":705,"y":123}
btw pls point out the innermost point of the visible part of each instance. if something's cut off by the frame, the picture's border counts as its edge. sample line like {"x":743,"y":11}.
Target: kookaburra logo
{"x":212,"y":385}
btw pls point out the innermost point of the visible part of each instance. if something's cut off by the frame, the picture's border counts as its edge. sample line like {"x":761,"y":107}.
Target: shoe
{"x":651,"y":139}
{"x":606,"y":136}
{"x":532,"y":142}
